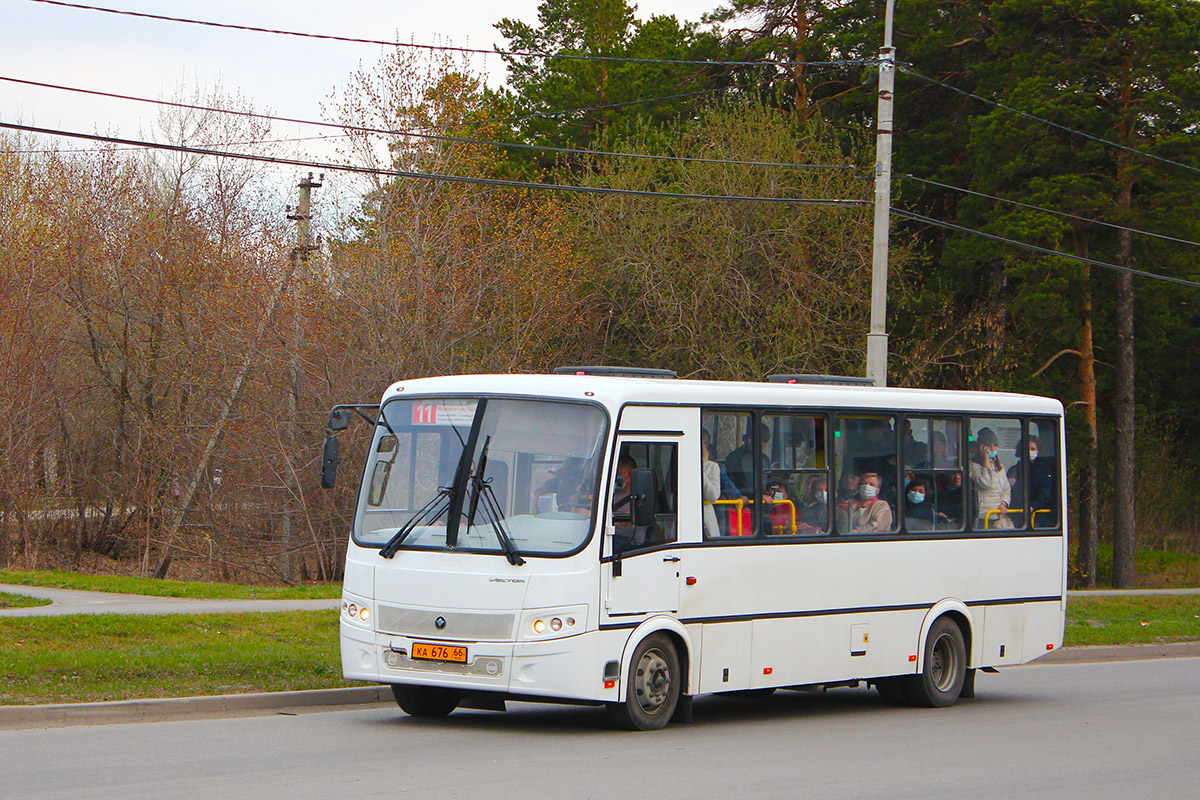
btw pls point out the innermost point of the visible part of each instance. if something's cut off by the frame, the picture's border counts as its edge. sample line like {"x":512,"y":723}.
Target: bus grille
{"x":459,"y":625}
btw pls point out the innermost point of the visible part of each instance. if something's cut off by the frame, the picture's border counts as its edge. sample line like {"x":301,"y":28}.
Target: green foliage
{"x":611,"y":91}
{"x":735,"y":290}
{"x":90,"y":658}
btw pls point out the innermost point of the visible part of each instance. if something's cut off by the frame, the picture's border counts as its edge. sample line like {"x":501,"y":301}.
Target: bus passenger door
{"x":643,"y":565}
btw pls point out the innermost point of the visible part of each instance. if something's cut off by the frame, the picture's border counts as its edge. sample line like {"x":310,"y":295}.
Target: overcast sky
{"x":284,"y":75}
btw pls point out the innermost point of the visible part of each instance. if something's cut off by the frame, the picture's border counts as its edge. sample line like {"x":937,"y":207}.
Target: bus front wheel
{"x":652,"y":686}
{"x":940,"y":680}
{"x":425,"y":701}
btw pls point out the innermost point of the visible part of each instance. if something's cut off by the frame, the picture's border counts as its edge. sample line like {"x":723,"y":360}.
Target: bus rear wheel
{"x":652,"y":686}
{"x":425,"y":701}
{"x":940,"y":680}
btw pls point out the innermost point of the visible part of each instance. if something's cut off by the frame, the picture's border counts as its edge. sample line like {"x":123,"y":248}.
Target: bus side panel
{"x":1043,"y":630}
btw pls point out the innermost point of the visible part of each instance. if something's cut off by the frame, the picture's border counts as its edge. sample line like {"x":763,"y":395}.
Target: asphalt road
{"x":1091,"y":731}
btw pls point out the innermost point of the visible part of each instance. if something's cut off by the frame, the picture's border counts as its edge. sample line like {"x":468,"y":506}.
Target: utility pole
{"x":877,"y":339}
{"x":290,"y":523}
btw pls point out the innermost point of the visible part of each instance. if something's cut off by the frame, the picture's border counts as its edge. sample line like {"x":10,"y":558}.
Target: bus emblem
{"x":440,"y":622}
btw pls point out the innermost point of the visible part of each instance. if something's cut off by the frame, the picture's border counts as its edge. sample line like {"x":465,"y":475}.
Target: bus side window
{"x":1042,"y":475}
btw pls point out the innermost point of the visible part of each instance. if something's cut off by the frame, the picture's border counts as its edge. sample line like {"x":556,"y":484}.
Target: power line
{"x":1038,"y":248}
{"x":428,"y":176}
{"x":440,"y":48}
{"x":1052,"y":211}
{"x":909,"y":71}
{"x":413,"y":134}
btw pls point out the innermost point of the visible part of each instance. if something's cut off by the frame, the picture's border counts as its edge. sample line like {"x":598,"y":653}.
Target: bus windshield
{"x":528,"y":486}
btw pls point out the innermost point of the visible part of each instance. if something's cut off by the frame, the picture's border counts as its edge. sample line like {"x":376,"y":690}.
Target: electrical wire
{"x":428,"y":176}
{"x":1039,"y":249}
{"x":1064,"y":214}
{"x":442,"y":48}
{"x":409,"y":133}
{"x":909,"y":71}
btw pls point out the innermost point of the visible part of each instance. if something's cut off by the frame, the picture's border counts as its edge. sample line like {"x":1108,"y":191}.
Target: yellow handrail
{"x":1041,"y":511}
{"x":791,"y":505}
{"x":737,"y":503}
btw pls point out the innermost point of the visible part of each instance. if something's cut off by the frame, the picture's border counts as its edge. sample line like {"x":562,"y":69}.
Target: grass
{"x":20,"y":601}
{"x":1132,"y":620}
{"x":168,"y":588}
{"x":84,"y":658}
{"x":1157,"y":569}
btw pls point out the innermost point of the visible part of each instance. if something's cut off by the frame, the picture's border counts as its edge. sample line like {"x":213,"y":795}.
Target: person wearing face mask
{"x":813,"y":510}
{"x":1041,"y":478}
{"x":989,"y":482}
{"x":918,"y":507}
{"x":867,"y":513}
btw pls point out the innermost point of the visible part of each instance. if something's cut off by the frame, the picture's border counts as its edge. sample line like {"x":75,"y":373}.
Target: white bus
{"x":624,"y":538}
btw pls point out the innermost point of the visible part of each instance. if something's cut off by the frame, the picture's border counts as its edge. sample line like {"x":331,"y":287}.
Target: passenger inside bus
{"x":740,"y":461}
{"x":865,"y":513}
{"x":918,"y":506}
{"x":813,"y":509}
{"x":989,"y":482}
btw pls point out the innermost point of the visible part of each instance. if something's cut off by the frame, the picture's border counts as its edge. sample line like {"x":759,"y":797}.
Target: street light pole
{"x":877,"y":339}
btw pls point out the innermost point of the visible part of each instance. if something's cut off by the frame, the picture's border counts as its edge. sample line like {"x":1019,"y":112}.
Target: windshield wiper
{"x":483,"y":491}
{"x":431,"y":511}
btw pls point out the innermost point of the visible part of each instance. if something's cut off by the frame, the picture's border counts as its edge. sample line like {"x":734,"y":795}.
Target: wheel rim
{"x":652,"y":681}
{"x":943,"y":663}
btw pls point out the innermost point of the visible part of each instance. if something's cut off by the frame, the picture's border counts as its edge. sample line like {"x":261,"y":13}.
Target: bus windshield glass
{"x":530,"y":479}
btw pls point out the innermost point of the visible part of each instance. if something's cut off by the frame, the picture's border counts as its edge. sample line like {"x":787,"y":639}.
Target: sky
{"x":282,"y":75}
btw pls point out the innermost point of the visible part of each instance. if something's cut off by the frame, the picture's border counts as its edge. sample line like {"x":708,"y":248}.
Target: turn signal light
{"x":912,"y":658}
{"x":610,"y":684}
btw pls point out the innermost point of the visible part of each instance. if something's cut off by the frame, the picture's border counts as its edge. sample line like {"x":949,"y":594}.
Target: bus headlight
{"x":356,"y":611}
{"x":553,"y":623}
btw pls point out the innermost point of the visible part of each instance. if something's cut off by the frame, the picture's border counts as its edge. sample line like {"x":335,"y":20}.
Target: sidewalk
{"x":74,"y":601}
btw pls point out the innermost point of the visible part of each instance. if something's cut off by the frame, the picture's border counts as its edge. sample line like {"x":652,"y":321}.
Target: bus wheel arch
{"x":654,"y":675}
{"x":944,"y":662}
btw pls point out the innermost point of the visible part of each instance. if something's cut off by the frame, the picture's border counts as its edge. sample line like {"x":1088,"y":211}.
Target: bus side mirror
{"x":642,"y":495}
{"x":339,"y":420}
{"x":329,"y":460}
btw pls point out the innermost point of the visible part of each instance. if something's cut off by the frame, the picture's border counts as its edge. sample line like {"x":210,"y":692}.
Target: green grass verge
{"x":85,"y":658}
{"x":20,"y":601}
{"x":1132,"y":620}
{"x":1157,"y":569}
{"x":168,"y":588}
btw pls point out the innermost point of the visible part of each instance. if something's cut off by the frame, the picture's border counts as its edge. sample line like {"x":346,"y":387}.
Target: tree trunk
{"x":1088,"y":538}
{"x":1124,"y":520}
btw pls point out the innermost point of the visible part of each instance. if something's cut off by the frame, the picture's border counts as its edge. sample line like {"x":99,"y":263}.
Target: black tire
{"x":425,"y":701}
{"x":652,"y":686}
{"x":941,"y":678}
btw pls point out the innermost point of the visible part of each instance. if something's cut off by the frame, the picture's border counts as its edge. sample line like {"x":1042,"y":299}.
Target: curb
{"x":1124,"y":652}
{"x":171,"y":708}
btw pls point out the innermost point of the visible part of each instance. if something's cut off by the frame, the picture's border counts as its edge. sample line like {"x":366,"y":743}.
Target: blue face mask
{"x":620,"y":483}
{"x":993,"y":453}
{"x":916,"y":497}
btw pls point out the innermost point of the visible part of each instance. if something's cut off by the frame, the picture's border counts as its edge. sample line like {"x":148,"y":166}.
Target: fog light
{"x":364,"y":613}
{"x":539,"y":626}
{"x":556,"y":624}
{"x":352,"y":610}
{"x":570,"y":622}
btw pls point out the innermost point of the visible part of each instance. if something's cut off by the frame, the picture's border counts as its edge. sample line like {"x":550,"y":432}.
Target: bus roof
{"x":618,"y":391}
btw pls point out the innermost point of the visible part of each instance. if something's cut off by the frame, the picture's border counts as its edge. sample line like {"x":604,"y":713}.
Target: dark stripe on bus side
{"x":833,"y":611}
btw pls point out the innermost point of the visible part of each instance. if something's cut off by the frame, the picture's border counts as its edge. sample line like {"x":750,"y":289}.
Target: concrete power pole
{"x":290,"y":524}
{"x":877,"y":339}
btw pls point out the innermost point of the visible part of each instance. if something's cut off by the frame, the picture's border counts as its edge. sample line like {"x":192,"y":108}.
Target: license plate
{"x":439,"y":652}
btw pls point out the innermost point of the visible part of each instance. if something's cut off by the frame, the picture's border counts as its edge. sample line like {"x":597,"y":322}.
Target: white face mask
{"x":822,"y":496}
{"x":1033,"y":455}
{"x":779,"y":496}
{"x":867,"y":491}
